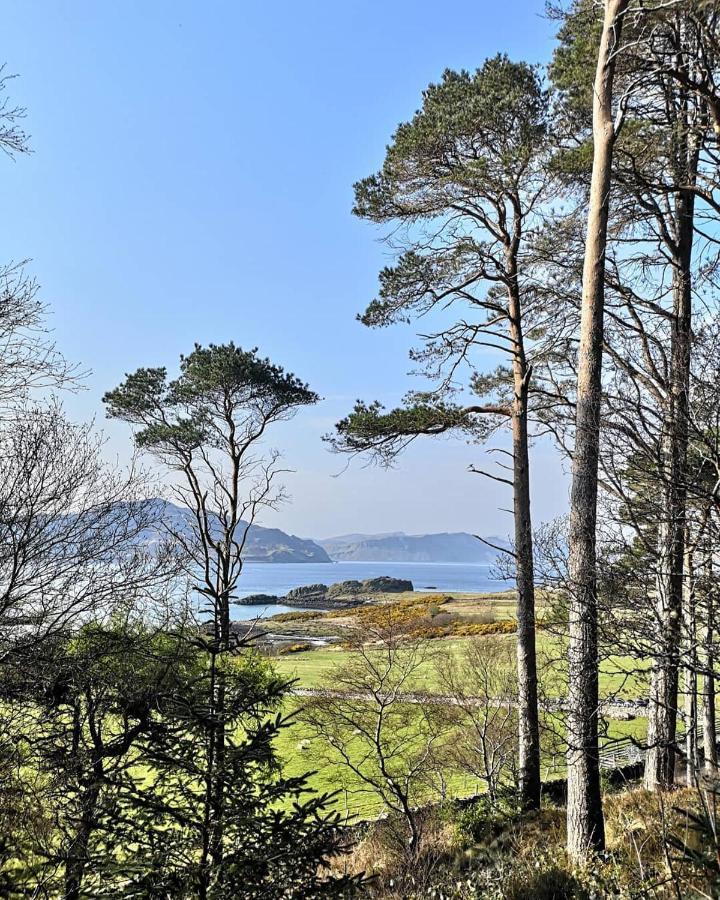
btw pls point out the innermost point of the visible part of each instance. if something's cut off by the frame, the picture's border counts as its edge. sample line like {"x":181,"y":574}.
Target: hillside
{"x":458,"y":547}
{"x":268,"y":545}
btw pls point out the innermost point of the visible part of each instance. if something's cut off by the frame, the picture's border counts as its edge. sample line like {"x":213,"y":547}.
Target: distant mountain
{"x":456,"y":547}
{"x":352,"y":538}
{"x":274,"y":546}
{"x":268,"y":545}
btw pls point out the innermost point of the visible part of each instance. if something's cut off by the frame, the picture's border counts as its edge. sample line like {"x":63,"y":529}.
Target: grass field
{"x":301,"y":753}
{"x":621,"y":677}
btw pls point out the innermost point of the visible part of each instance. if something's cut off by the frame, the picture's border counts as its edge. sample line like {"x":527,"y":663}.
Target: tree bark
{"x":219,"y":714}
{"x":528,"y":716}
{"x":663,"y":708}
{"x":708,"y":716}
{"x":585,"y":823}
{"x":691,"y":668}
{"x":76,"y":860}
{"x":212,"y":851}
{"x":77,"y":854}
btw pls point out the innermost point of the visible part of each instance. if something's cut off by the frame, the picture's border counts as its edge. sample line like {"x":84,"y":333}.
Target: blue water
{"x":279,"y":578}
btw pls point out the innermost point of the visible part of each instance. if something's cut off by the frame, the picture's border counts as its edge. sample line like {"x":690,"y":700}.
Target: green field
{"x":621,"y":677}
{"x":300,"y":753}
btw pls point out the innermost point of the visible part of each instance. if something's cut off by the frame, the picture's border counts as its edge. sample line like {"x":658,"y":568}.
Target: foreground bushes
{"x":473,"y":851}
{"x":106,"y":760}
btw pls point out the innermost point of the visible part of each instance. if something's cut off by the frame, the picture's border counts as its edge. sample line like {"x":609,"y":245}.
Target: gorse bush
{"x":297,"y":616}
{"x":424,"y":617}
{"x":299,"y":647}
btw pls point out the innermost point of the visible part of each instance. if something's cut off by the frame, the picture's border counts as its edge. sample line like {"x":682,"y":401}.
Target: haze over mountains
{"x":457,"y":547}
{"x":272,"y":545}
{"x":268,"y":545}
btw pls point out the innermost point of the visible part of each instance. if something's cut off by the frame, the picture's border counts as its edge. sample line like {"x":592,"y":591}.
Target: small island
{"x":343,"y":595}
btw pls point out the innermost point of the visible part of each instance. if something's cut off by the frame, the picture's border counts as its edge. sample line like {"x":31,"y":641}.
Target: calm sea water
{"x":279,"y":578}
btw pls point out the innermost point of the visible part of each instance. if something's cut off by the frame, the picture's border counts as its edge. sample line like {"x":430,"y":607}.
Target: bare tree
{"x":385,"y":744}
{"x":482,"y":686}
{"x":13,"y":139}
{"x":73,"y":557}
{"x":28,"y":357}
{"x":71,"y":530}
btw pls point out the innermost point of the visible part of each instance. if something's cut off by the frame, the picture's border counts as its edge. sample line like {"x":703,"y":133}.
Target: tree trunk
{"x":218,"y":774}
{"x":210,"y":871}
{"x":411,"y":820}
{"x":585,"y":824}
{"x":709,"y":718}
{"x":77,"y":854}
{"x":528,"y":716}
{"x":691,"y":668}
{"x":663,"y":708}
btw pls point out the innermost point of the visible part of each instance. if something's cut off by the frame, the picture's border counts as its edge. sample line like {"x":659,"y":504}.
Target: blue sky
{"x":192,"y":181}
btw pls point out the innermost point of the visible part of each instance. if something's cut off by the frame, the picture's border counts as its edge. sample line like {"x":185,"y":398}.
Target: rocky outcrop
{"x":308,"y":591}
{"x":258,"y":600}
{"x":312,"y":596}
{"x":382,"y":585}
{"x":386,"y":585}
{"x":345,"y":588}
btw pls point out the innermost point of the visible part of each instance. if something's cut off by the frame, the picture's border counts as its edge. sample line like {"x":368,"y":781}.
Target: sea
{"x":277,"y":579}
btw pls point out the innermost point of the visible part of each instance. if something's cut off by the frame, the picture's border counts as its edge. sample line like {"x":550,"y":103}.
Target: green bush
{"x":482,"y":822}
{"x":551,"y":883}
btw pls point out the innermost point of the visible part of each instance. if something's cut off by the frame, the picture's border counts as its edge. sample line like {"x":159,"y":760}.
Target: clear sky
{"x":192,"y":181}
